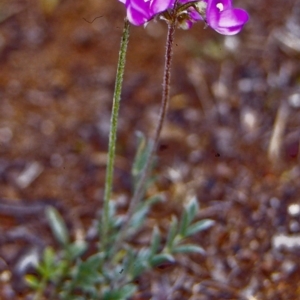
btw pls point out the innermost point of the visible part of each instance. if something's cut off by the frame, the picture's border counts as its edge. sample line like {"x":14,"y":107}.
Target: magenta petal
{"x":194,"y":15}
{"x":139,"y":5}
{"x":231,"y":21}
{"x":213,"y":11}
{"x":223,"y":18}
{"x":158,"y":6}
{"x":214,"y":7}
{"x":137,"y":11}
{"x":140,"y":12}
{"x":136,"y":17}
{"x":226,"y":3}
{"x":233,"y":17}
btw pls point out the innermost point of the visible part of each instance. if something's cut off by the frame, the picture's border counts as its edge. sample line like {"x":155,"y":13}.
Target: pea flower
{"x":219,"y":15}
{"x":140,"y":12}
{"x":223,"y":18}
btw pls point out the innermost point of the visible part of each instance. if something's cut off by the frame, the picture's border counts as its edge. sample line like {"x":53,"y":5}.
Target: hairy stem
{"x":113,"y":135}
{"x":139,"y":191}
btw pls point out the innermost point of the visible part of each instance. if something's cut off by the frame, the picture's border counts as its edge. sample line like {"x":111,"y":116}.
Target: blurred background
{"x":231,"y":139}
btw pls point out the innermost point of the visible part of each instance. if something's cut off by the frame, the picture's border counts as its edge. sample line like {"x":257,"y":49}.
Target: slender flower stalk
{"x":139,"y":191}
{"x":163,"y":110}
{"x":113,"y":134}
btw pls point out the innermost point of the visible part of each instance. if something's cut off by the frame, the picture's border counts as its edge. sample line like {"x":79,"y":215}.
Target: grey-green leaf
{"x":58,"y":226}
{"x":155,"y":241}
{"x":121,"y":294}
{"x":138,"y":217}
{"x":141,"y":155}
{"x":184,"y":222}
{"x":172,"y":233}
{"x":142,"y":210}
{"x":76,"y":249}
{"x":49,"y":257}
{"x":192,"y":209}
{"x":161,"y":258}
{"x":188,"y":248}
{"x":86,"y":272}
{"x":199,"y":226}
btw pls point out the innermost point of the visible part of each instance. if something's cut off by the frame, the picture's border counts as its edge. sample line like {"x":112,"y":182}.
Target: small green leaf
{"x":119,"y":256}
{"x":112,"y":206}
{"x":161,"y":258}
{"x":138,"y":268}
{"x":47,"y":266}
{"x":128,"y":290}
{"x":188,"y":216}
{"x":153,"y":200}
{"x":86,"y":272}
{"x":49,"y":257}
{"x":76,"y":249}
{"x":58,"y":226}
{"x":192,"y":209}
{"x":184,"y":223}
{"x":117,"y":222}
{"x":95,"y":260}
{"x":155,"y":241}
{"x":32,"y":281}
{"x":143,"y":254}
{"x":188,"y":248}
{"x":139,"y":217}
{"x":142,"y":210}
{"x":172,"y":233}
{"x":60,"y":268}
{"x":128,"y":260}
{"x":121,"y":294}
{"x":141,"y":155}
{"x":140,"y":160}
{"x":199,"y":226}
{"x":141,"y":264}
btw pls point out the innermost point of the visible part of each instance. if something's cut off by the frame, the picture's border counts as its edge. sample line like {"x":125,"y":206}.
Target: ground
{"x":231,"y":139}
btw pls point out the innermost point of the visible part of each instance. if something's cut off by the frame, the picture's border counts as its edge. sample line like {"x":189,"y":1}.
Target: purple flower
{"x":140,"y":12}
{"x":219,"y":14}
{"x":223,"y":18}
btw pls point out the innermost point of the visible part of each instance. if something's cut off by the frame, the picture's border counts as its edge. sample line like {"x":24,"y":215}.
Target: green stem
{"x":113,"y":135}
{"x":139,"y":191}
{"x":39,"y":293}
